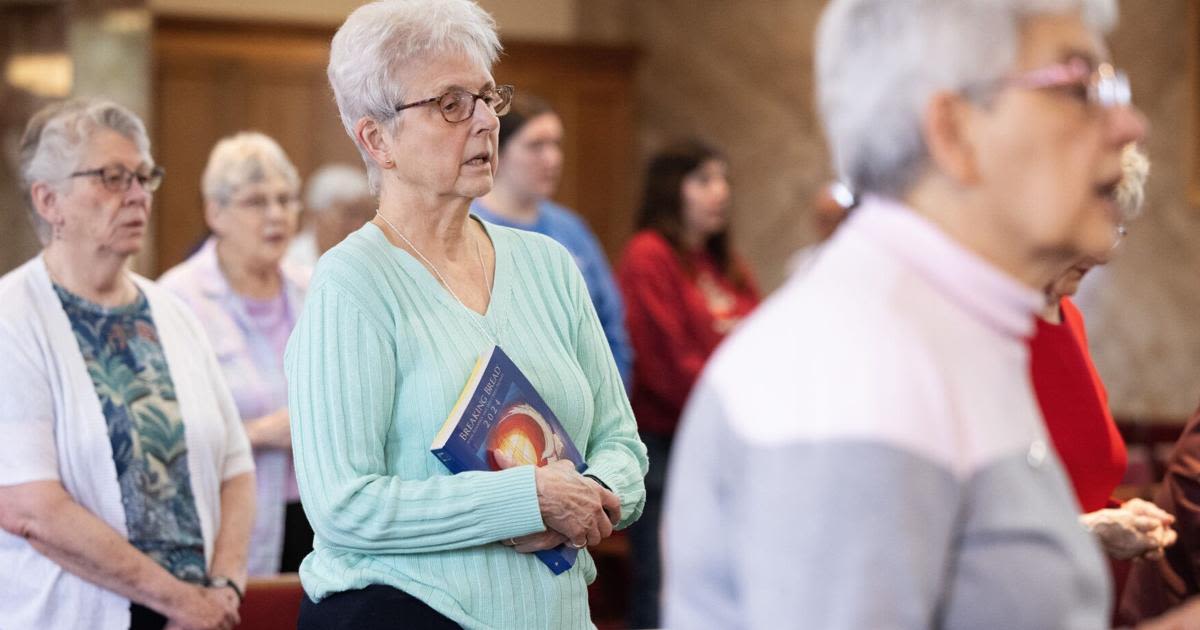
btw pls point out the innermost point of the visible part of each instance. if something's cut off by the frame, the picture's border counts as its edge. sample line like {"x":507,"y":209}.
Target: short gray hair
{"x":879,"y":61}
{"x":335,"y":183}
{"x":56,"y":138}
{"x":380,"y":39}
{"x":246,"y":157}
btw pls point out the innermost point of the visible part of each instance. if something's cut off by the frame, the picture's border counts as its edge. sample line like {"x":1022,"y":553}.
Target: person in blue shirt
{"x":530,"y":168}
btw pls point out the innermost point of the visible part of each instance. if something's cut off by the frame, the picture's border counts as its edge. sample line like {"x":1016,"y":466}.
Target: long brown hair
{"x":662,"y":204}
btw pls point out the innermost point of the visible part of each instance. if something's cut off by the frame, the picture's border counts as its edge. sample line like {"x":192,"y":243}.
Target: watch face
{"x":224,"y":582}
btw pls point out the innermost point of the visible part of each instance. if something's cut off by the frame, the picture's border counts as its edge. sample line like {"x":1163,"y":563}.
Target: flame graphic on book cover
{"x":525,"y":438}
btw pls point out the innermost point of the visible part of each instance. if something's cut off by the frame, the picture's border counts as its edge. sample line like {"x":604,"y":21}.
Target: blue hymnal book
{"x":501,"y":421}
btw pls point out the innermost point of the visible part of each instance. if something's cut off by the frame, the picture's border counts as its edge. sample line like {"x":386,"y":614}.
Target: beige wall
{"x":525,"y":19}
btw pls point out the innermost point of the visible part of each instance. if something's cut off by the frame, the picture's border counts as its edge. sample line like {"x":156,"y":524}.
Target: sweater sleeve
{"x":669,"y":360}
{"x":342,"y":382}
{"x":615,"y":453}
{"x":26,"y":413}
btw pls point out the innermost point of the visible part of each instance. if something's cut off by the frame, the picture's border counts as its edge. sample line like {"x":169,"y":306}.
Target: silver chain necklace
{"x":482,"y":268}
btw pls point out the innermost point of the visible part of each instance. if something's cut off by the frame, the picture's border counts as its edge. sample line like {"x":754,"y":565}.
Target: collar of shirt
{"x":486,"y":214}
{"x":982,"y":289}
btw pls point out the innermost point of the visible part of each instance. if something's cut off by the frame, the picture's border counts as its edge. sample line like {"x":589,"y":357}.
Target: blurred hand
{"x":1142,"y":507}
{"x":206,"y":609}
{"x":273,"y":430}
{"x":572,"y":504}
{"x":1136,"y":529}
{"x":1184,"y":617}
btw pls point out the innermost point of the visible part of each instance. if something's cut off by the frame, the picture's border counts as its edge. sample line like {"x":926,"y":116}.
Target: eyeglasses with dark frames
{"x":458,"y":104}
{"x":118,"y":179}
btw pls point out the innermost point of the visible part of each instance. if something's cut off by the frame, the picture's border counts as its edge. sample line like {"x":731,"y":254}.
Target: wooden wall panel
{"x":215,"y":78}
{"x":592,"y":89}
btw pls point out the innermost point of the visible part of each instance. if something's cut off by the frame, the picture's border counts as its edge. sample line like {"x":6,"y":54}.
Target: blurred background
{"x":627,"y":76}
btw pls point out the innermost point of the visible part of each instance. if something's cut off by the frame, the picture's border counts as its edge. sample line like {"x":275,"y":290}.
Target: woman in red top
{"x":1074,"y":404}
{"x":684,"y":290}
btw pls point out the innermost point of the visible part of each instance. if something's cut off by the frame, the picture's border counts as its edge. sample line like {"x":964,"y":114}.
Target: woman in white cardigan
{"x":127,"y":486}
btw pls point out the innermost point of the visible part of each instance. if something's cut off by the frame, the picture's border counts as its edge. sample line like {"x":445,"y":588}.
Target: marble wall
{"x":1143,"y":310}
{"x":744,"y":80}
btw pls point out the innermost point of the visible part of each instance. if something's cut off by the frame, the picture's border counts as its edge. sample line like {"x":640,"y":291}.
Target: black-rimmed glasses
{"x":118,"y":179}
{"x":458,"y":104}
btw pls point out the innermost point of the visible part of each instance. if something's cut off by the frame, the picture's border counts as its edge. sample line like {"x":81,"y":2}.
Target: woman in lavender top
{"x":248,"y":302}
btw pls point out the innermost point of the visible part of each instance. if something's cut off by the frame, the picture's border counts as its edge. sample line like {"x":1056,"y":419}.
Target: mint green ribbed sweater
{"x":377,"y":360}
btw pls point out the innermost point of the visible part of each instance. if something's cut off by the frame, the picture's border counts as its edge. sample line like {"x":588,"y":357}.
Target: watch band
{"x":597,"y":480}
{"x":220,"y":581}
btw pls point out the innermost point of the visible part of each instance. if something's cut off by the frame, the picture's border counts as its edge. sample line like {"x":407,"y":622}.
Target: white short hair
{"x":381,"y":39}
{"x":244,"y":158}
{"x":335,"y":183}
{"x":879,"y":61}
{"x":55,"y":141}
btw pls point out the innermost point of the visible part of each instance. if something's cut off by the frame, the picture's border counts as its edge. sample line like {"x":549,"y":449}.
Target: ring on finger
{"x":511,"y":542}
{"x":578,"y":546}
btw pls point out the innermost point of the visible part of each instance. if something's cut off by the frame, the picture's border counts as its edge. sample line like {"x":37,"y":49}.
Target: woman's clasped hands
{"x":577,"y":510}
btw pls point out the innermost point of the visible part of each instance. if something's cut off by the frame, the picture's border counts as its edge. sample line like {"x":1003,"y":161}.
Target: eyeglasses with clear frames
{"x":1106,"y":87}
{"x":458,"y":104}
{"x":118,"y":179}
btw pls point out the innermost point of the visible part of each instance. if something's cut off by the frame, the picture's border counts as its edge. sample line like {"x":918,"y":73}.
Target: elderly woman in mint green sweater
{"x":395,"y":319}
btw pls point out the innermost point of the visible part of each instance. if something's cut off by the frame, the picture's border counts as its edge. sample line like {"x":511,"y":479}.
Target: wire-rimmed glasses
{"x":1106,"y":86}
{"x":458,"y":104}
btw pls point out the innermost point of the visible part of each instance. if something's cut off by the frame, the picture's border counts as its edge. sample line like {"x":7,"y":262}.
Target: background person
{"x":830,"y":206}
{"x":531,"y":160}
{"x":685,"y":290}
{"x":338,"y":201}
{"x":1074,"y":402}
{"x":127,"y":484}
{"x":248,"y":303}
{"x":395,"y":319}
{"x":1157,"y":585}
